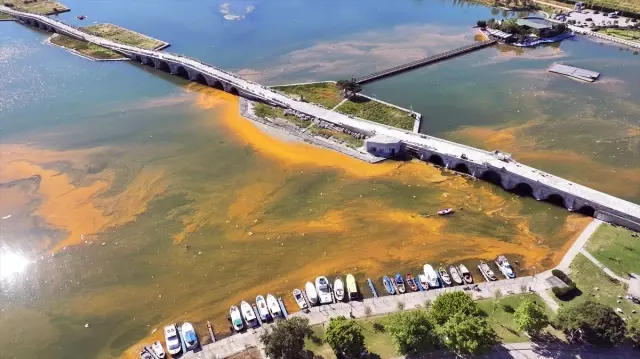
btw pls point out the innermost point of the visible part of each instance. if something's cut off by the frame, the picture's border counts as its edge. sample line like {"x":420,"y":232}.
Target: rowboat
{"x":411,"y":283}
{"x":297,"y":295}
{"x":505,"y":267}
{"x":312,"y":294}
{"x":352,"y":287}
{"x":466,"y":275}
{"x":338,"y":289}
{"x":486,"y":271}
{"x":372,"y":288}
{"x":399,"y":282}
{"x":446,"y":279}
{"x":388,"y":285}
{"x":445,"y":211}
{"x":455,"y":275}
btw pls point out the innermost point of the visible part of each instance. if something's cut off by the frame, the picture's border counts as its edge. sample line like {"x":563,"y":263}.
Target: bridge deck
{"x":471,"y":155}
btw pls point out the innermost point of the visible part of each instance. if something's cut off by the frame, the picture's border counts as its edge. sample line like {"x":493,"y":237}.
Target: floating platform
{"x":575,"y":72}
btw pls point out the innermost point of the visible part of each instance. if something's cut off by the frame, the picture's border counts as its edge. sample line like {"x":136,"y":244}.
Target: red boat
{"x":412,"y":283}
{"x":444,"y":212}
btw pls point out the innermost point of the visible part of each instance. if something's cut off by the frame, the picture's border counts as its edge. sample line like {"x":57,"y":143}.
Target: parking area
{"x":588,"y":17}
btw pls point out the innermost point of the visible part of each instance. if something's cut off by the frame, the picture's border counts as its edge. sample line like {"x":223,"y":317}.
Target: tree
{"x":285,"y":339}
{"x":591,"y":322}
{"x":464,"y":334}
{"x":412,"y":332}
{"x":497,"y":295}
{"x":633,"y":332}
{"x":481,"y":24}
{"x":345,"y":337}
{"x":349,"y":87}
{"x":531,"y":317}
{"x":450,"y":303}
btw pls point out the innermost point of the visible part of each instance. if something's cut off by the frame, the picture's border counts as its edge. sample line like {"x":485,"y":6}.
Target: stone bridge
{"x":490,"y":166}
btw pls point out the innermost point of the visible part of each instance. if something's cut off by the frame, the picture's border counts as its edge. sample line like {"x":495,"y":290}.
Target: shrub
{"x":561,"y":292}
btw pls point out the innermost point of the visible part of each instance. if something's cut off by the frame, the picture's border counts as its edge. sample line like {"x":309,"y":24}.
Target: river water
{"x":131,"y":199}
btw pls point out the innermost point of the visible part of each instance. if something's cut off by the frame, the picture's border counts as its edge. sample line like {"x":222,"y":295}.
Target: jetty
{"x":574,"y":72}
{"x":426,"y":61}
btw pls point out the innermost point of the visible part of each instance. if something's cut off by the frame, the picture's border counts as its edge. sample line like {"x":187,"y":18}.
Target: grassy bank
{"x":37,"y":7}
{"x":624,"y":5}
{"x":263,"y":110}
{"x":5,"y":17}
{"x":85,"y":48}
{"x":124,"y":36}
{"x":616,"y":249}
{"x":377,"y":112}
{"x":338,"y":136}
{"x":325,"y":94}
{"x":631,"y":35}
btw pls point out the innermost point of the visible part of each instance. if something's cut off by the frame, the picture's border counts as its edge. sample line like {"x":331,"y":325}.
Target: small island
{"x":524,"y":32}
{"x":33,"y":6}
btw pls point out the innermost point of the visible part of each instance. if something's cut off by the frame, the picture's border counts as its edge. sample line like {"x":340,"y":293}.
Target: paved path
{"x":579,"y":243}
{"x":608,"y":271}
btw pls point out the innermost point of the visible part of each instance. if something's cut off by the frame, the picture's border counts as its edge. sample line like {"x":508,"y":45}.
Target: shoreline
{"x":78,"y":53}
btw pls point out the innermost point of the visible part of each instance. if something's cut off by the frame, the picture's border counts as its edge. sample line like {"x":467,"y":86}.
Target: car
{"x":172,"y":340}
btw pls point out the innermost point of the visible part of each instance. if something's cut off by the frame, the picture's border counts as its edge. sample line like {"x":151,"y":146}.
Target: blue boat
{"x":284,"y":310}
{"x":388,"y":285}
{"x":418,"y":284}
{"x":399,"y":282}
{"x":373,"y":289}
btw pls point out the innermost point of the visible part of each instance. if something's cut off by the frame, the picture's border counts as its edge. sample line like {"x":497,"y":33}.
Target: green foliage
{"x":633,"y":332}
{"x":531,"y":317}
{"x":562,"y":292}
{"x":345,"y":337}
{"x":481,"y":24}
{"x":463,"y":334}
{"x":450,"y":303}
{"x":285,"y":339}
{"x":350,"y":87}
{"x":591,"y":322}
{"x":377,"y":112}
{"x":412,"y":331}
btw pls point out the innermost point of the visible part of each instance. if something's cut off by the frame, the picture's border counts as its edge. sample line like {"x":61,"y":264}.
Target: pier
{"x":426,"y":61}
{"x":495,"y":167}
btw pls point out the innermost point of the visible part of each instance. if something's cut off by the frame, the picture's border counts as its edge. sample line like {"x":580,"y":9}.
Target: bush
{"x":564,"y":291}
{"x":481,"y":24}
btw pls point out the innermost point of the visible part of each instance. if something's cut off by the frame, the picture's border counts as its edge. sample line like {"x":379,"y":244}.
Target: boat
{"x":182,"y":343}
{"x":444,"y":276}
{"x":248,"y":314}
{"x":324,"y":290}
{"x":411,"y":283}
{"x":312,"y":294}
{"x":171,"y":339}
{"x":432,"y":277}
{"x":338,"y":289}
{"x":424,"y":282}
{"x":144,"y":354}
{"x":158,"y":350}
{"x":236,"y":319}
{"x":466,"y":275}
{"x":81,"y":17}
{"x":255,"y":311}
{"x":399,"y":282}
{"x":285,"y":314}
{"x":388,"y":285}
{"x":352,"y":287}
{"x":505,"y":267}
{"x":297,"y":295}
{"x":262,"y":308}
{"x":445,"y":211}
{"x":274,"y":307}
{"x":486,"y":271}
{"x":372,"y":287}
{"x":189,"y":335}
{"x":455,"y":275}
{"x":210,"y":327}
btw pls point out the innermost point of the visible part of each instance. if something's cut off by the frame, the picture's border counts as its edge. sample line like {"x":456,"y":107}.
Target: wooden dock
{"x":426,"y":61}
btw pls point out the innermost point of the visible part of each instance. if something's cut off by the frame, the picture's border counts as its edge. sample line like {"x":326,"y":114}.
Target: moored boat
{"x":432,"y":277}
{"x":158,"y":350}
{"x":505,"y":267}
{"x":466,"y":275}
{"x":424,"y":282}
{"x":236,"y":318}
{"x":274,"y":307}
{"x":388,"y":285}
{"x":445,"y":211}
{"x":189,"y":335}
{"x":144,"y":354}
{"x":171,"y":339}
{"x":455,"y":275}
{"x":399,"y":282}
{"x":411,"y":283}
{"x":338,"y":289}
{"x":372,"y":288}
{"x":444,"y":276}
{"x":248,"y":314}
{"x":262,"y":308}
{"x":324,"y":291}
{"x":486,"y":271}
{"x":297,"y":295}
{"x":352,"y":287}
{"x":312,"y":293}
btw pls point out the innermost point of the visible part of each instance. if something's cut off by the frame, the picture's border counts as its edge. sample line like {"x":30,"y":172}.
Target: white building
{"x":383,"y":146}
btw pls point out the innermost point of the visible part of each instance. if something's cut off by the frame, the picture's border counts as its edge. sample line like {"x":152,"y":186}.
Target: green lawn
{"x":632,"y":35}
{"x":85,"y":48}
{"x":124,"y":36}
{"x":37,"y":6}
{"x":377,"y":112}
{"x":4,"y":16}
{"x":325,"y":94}
{"x":597,"y":286}
{"x":616,"y":249}
{"x":264,"y":110}
{"x":337,"y":135}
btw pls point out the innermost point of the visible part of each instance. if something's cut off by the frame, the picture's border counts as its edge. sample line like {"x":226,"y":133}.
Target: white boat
{"x":248,"y":314}
{"x":236,"y":319}
{"x":324,"y":291}
{"x":445,"y":211}
{"x":144,"y":354}
{"x":424,"y":282}
{"x":466,"y":275}
{"x":171,"y":339}
{"x":444,"y":276}
{"x":261,"y":304}
{"x":312,"y":294}
{"x":432,"y":276}
{"x":338,"y":289}
{"x":158,"y":350}
{"x":455,"y":275}
{"x":189,"y":336}
{"x":505,"y":267}
{"x":299,"y":297}
{"x":352,"y":287}
{"x":487,"y":273}
{"x":274,"y":307}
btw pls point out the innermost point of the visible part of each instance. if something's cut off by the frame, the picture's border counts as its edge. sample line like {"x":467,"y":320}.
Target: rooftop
{"x":532,"y":24}
{"x":498,"y":33}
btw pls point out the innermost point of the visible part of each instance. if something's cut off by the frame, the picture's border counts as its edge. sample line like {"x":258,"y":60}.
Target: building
{"x":541,"y":29}
{"x":384,"y":146}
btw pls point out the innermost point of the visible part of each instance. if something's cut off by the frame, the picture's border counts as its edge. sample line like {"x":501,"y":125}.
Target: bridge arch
{"x":161,"y":65}
{"x":436,"y":160}
{"x":492,"y":177}
{"x":218,"y":85}
{"x":523,"y":189}
{"x":199,"y":78}
{"x":182,"y":72}
{"x":136,"y":58}
{"x":234,"y":91}
{"x":556,"y":199}
{"x":461,"y":167}
{"x":587,"y":211}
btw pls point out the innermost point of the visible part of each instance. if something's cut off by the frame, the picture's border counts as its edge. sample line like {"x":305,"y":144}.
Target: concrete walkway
{"x":577,"y":246}
{"x":608,"y":271}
